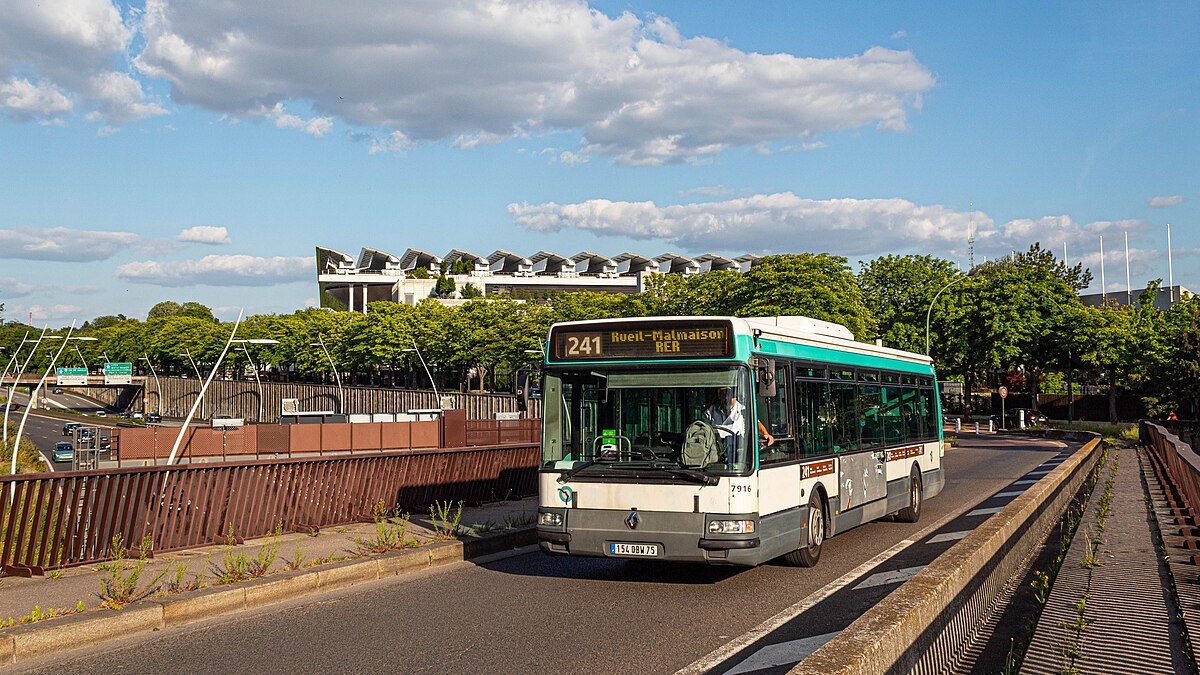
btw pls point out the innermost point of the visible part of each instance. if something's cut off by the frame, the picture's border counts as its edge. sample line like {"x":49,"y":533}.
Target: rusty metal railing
{"x":1179,"y":466}
{"x":54,"y":520}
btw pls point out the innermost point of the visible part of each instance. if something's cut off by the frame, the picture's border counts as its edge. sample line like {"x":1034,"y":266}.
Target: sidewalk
{"x":1114,"y":584}
{"x":18,"y":596}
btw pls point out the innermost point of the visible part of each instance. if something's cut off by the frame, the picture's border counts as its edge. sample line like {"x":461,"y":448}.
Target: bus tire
{"x":808,"y":556}
{"x":912,"y":512}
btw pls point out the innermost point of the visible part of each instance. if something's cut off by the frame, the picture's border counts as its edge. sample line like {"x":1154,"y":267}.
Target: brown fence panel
{"x":70,"y":518}
{"x":1181,"y":463}
{"x":335,"y":437}
{"x":396,"y":435}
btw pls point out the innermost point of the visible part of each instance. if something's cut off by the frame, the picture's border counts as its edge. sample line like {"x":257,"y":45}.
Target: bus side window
{"x":773,"y":413}
{"x":813,"y":415}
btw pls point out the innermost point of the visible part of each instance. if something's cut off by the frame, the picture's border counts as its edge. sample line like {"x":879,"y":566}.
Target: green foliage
{"x":119,"y":581}
{"x":470,"y":291}
{"x":820,"y":286}
{"x":444,"y":286}
{"x":391,"y":532}
{"x":236,"y":566}
{"x":417,"y":273}
{"x":898,"y":291}
{"x":445,"y":519}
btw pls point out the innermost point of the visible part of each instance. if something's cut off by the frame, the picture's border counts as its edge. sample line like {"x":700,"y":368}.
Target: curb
{"x":926,"y":617}
{"x":64,"y":634}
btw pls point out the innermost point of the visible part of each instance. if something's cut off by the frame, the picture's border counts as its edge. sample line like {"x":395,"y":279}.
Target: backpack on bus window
{"x":699,"y":445}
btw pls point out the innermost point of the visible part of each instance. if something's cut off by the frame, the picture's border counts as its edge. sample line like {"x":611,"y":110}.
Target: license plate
{"x":644,"y":550}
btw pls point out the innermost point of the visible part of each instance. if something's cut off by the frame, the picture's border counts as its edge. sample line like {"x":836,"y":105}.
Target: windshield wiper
{"x":690,"y":474}
{"x":570,"y":473}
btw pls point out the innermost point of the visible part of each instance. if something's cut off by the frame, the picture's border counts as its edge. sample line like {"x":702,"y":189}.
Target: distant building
{"x":1167,"y":296}
{"x":347,"y":284}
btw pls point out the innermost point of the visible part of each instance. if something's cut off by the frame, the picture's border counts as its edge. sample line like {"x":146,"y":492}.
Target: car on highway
{"x":57,"y":390}
{"x":153,"y":417}
{"x":63,"y":451}
{"x":69,"y":428}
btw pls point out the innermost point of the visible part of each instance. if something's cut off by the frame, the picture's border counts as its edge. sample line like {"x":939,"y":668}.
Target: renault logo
{"x":632,"y":520}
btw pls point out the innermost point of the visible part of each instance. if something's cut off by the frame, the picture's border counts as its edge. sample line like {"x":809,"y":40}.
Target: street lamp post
{"x":341,"y":398}
{"x":17,"y":379}
{"x":187,"y":421}
{"x":257,"y":379}
{"x":157,"y":383}
{"x":33,"y":393}
{"x":199,"y":378}
{"x":80,"y":353}
{"x":1070,"y":361}
{"x":428,"y":374}
{"x":929,"y":312}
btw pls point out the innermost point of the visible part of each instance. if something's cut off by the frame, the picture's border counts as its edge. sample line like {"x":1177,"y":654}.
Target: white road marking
{"x":1014,"y":493}
{"x":1026,"y":482}
{"x":731,"y":648}
{"x":1039,"y":472}
{"x":892,"y":577}
{"x":985,"y":512}
{"x":949,"y":536}
{"x":782,"y":653}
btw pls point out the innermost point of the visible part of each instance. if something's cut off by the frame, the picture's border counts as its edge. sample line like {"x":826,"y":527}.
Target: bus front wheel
{"x":808,"y":556}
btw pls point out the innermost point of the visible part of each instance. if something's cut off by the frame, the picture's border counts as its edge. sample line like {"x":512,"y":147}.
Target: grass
{"x":1119,"y":432}
{"x":391,"y":532}
{"x":119,"y":582}
{"x":236,"y":566}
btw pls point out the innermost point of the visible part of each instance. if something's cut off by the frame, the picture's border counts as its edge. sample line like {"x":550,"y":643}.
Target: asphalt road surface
{"x":45,"y":432}
{"x":534,"y":613}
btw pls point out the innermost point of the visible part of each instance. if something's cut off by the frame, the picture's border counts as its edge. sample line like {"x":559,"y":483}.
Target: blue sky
{"x":160,"y":150}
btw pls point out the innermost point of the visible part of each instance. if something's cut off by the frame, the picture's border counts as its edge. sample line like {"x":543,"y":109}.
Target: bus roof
{"x":801,"y":330}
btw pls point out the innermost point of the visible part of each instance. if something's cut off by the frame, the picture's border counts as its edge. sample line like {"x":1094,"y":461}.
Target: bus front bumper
{"x":654,"y":536}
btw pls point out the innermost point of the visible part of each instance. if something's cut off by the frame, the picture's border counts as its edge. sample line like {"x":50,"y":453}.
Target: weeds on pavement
{"x":236,"y":566}
{"x":119,"y":581}
{"x":445,"y":519}
{"x":391,"y":532}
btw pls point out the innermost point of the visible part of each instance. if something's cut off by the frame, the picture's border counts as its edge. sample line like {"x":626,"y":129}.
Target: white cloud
{"x":23,"y":100}
{"x":220,"y":270}
{"x":568,"y":158}
{"x":56,"y":312}
{"x":316,"y":127}
{"x":768,"y":223}
{"x":14,"y":288}
{"x":476,"y":71}
{"x":63,"y":244}
{"x":785,"y":223}
{"x":205,"y":234}
{"x":1163,"y":202}
{"x":71,"y":46}
{"x":709,"y":191}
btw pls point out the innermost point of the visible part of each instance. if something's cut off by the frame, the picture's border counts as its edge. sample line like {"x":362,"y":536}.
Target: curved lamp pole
{"x":341,"y":400}
{"x":1070,"y":361}
{"x":187,"y":421}
{"x":157,"y":384}
{"x":33,"y":393}
{"x":242,"y":346}
{"x":433,"y":384}
{"x":929,"y":312}
{"x":199,"y":378}
{"x":17,"y":378}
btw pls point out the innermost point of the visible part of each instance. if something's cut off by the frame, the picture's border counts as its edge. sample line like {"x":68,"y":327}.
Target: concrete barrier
{"x":921,"y":626}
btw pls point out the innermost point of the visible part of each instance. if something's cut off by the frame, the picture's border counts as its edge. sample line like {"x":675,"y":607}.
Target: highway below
{"x":45,"y":432}
{"x":529,"y":612}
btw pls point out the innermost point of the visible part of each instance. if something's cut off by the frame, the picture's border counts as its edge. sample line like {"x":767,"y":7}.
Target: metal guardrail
{"x":1175,"y":451}
{"x":69,"y":518}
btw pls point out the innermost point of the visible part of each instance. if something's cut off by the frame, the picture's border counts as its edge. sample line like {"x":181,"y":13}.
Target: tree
{"x":1177,"y":373}
{"x":164,"y":309}
{"x":444,"y":286}
{"x":820,"y":286}
{"x":197,"y":310}
{"x":470,"y":291}
{"x":898,"y":291}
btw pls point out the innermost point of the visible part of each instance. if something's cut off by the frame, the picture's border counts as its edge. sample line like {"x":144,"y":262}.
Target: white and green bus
{"x":727,"y":440}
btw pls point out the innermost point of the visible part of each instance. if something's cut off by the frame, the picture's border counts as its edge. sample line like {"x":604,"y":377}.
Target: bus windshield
{"x":600,"y":421}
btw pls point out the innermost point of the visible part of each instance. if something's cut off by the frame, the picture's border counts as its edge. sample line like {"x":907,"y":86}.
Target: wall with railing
{"x":54,"y":520}
{"x":1173,"y":456}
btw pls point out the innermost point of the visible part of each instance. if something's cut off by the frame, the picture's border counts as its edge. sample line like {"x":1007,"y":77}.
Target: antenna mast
{"x":971,"y":237}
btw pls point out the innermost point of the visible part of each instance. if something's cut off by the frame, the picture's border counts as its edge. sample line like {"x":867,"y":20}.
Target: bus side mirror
{"x":764,"y":373}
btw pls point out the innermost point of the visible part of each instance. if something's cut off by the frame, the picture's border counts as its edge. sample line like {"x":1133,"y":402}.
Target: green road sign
{"x":118,"y":373}
{"x":71,"y":376}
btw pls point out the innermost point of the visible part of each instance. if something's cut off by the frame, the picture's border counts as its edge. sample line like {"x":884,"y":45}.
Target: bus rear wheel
{"x":808,"y":556}
{"x":912,"y":512}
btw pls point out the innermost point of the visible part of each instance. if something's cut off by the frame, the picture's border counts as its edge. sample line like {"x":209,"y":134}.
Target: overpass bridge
{"x":31,"y":379}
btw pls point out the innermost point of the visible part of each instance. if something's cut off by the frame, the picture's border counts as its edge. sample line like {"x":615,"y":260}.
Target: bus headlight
{"x":731,"y":526}
{"x":551,"y":519}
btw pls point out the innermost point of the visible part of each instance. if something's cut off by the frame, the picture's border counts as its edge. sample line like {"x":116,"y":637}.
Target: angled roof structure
{"x":415,"y":257}
{"x":374,"y":260}
{"x":592,"y":264}
{"x":745,"y":262}
{"x":507,"y":262}
{"x":330,"y":261}
{"x":712,"y":262}
{"x":548,"y":262}
{"x":630,"y":263}
{"x":676,"y":263}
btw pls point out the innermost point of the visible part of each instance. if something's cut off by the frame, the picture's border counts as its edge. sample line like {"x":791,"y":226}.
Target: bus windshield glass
{"x":646,"y":422}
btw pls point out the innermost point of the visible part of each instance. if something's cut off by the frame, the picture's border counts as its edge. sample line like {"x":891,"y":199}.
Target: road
{"x":45,"y":432}
{"x":534,"y":613}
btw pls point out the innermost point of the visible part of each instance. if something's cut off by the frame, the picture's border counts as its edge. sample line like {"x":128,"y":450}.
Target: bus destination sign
{"x":645,"y":341}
